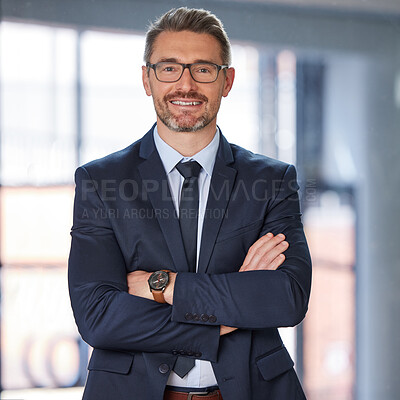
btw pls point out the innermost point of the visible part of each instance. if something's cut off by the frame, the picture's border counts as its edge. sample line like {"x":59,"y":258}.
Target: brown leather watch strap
{"x":158,"y":296}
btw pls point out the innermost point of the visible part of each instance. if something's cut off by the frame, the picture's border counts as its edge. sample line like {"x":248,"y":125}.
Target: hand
{"x":224,"y":330}
{"x":138,"y":285}
{"x":266,"y":253}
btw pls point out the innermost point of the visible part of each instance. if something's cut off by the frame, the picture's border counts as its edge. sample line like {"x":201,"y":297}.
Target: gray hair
{"x":189,"y":19}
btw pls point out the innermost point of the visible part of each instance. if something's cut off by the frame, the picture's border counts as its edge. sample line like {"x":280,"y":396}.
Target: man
{"x":177,"y":240}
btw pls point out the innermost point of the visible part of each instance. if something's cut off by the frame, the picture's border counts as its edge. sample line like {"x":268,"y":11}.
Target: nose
{"x":186,"y":83}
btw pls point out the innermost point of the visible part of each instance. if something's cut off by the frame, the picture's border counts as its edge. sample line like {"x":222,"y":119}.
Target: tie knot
{"x":189,"y":169}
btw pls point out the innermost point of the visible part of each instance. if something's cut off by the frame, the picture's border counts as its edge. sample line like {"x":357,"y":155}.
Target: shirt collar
{"x":170,"y":157}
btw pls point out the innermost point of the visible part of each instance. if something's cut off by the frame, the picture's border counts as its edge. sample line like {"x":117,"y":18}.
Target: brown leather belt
{"x":172,"y":395}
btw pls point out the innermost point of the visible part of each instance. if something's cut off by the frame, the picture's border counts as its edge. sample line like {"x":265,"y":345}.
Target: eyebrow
{"x":165,"y":59}
{"x":172,"y":59}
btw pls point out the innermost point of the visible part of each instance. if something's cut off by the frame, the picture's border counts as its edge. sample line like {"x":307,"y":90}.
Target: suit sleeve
{"x":255,"y":299}
{"x":106,"y":315}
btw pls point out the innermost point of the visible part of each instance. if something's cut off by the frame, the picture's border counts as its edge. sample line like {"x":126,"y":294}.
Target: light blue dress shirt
{"x":202,"y":375}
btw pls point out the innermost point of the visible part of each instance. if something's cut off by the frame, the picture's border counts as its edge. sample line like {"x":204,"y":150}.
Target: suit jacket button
{"x":182,"y":353}
{"x":204,"y":317}
{"x":198,"y":354}
{"x":190,"y":353}
{"x":212,"y":318}
{"x":175,"y":352}
{"x":163,"y":368}
{"x":188,"y":316}
{"x":196,"y":317}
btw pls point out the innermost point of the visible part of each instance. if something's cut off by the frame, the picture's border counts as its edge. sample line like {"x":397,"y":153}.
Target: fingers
{"x":262,"y":247}
{"x":275,"y":263}
{"x":266,"y":253}
{"x":224,"y":330}
{"x":256,"y":247}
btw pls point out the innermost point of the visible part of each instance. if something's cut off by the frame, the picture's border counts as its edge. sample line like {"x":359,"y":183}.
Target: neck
{"x":187,"y":143}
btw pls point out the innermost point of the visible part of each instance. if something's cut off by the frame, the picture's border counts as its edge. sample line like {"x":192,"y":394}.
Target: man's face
{"x":186,"y":105}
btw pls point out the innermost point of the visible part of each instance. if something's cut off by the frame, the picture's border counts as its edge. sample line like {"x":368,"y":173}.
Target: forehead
{"x":186,"y":47}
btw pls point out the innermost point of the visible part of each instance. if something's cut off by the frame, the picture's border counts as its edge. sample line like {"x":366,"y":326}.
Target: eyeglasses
{"x":172,"y":71}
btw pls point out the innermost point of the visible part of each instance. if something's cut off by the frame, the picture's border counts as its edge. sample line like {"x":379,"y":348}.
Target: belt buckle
{"x":191,"y":394}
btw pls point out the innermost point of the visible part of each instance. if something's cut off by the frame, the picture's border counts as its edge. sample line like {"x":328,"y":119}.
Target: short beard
{"x":173,"y":123}
{"x":170,"y":122}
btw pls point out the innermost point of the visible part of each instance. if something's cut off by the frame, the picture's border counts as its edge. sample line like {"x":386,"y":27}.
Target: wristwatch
{"x":158,"y":281}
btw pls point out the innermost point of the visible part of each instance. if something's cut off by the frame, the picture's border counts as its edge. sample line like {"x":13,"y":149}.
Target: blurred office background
{"x":317,"y":85}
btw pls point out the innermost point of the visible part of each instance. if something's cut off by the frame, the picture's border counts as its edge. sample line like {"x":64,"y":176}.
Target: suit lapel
{"x":222,"y":182}
{"x":154,"y":177}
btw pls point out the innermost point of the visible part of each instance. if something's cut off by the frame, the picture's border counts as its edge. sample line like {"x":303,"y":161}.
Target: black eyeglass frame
{"x":154,"y":66}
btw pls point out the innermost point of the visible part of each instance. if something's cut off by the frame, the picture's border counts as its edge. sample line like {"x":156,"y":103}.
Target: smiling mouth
{"x":186,"y":103}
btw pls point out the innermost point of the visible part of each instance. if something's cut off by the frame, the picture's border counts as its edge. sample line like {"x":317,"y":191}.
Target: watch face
{"x":158,"y":280}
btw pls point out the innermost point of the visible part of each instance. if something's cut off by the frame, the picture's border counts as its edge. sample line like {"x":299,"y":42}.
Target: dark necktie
{"x":188,"y":215}
{"x":189,"y":209}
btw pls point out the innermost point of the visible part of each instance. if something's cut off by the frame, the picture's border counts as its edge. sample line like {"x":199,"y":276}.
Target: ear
{"x":146,"y":80}
{"x":229,"y":78}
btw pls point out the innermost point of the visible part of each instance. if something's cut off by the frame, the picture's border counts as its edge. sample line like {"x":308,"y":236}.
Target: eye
{"x":169,"y":68}
{"x":203,"y":69}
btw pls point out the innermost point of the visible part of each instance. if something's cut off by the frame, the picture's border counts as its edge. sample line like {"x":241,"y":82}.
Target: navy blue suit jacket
{"x":124,"y":220}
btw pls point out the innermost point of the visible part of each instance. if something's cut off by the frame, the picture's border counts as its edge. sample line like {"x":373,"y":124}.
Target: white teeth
{"x":186,"y":103}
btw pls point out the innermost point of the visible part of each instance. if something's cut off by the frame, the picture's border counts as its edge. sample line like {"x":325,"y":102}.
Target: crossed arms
{"x":265,"y":254}
{"x":258,"y":296}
